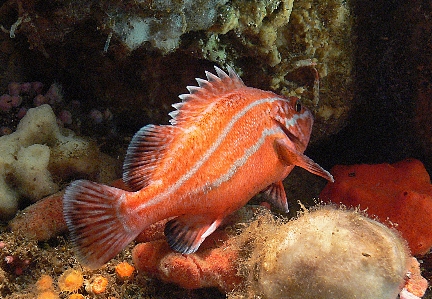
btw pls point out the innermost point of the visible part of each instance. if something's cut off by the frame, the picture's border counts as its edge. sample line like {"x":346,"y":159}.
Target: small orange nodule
{"x":44,"y":283}
{"x":47,"y":295}
{"x":70,"y":281}
{"x":124,"y":270}
{"x":98,"y":285}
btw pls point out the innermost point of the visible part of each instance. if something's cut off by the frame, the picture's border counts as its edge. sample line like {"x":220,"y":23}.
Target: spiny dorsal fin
{"x":207,"y":92}
{"x":144,"y":153}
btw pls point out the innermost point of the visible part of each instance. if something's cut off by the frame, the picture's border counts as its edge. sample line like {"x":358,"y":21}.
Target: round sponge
{"x":328,"y":253}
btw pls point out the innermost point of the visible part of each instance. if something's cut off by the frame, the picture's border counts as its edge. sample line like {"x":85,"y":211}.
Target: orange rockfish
{"x":226,"y":142}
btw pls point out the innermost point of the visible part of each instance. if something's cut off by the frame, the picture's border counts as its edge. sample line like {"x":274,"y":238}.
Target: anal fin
{"x":291,"y":156}
{"x":185,"y":233}
{"x":275,"y":194}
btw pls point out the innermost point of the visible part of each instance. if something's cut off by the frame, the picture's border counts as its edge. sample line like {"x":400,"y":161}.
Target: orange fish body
{"x":226,"y":142}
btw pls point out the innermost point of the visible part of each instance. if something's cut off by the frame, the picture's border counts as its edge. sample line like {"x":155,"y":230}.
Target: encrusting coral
{"x":97,"y":285}
{"x":399,"y":194}
{"x":124,"y":271}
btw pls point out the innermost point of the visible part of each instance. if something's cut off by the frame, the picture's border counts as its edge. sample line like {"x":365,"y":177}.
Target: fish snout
{"x":295,"y":120}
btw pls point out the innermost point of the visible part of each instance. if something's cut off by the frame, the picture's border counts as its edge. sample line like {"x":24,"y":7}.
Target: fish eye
{"x":298,"y":106}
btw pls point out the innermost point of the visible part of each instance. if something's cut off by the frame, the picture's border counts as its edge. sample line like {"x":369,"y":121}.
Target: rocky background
{"x":136,"y":57}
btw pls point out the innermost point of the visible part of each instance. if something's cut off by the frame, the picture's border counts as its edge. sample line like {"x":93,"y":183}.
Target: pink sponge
{"x":398,"y":194}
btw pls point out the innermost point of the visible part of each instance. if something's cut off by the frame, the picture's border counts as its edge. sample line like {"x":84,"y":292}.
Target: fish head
{"x":295,"y":120}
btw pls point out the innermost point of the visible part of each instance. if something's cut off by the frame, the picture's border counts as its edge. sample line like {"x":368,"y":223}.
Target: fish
{"x":225,"y":143}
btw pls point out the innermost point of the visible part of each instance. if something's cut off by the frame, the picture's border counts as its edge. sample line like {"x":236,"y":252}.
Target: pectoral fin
{"x":275,"y":195}
{"x":185,"y":233}
{"x":291,"y":156}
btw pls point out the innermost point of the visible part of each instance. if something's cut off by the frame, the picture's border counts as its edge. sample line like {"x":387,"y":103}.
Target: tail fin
{"x":98,"y":227}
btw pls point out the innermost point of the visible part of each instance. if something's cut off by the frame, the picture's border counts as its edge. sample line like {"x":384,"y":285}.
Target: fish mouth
{"x":296,"y":140}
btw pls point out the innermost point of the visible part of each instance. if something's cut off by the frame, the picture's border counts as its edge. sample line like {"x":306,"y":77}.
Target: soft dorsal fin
{"x":144,"y":153}
{"x":200,"y":97}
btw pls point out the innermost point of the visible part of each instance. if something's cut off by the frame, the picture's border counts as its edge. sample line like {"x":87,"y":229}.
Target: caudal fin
{"x":99,"y":229}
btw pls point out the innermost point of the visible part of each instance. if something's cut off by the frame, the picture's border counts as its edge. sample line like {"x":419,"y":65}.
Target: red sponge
{"x":399,"y":194}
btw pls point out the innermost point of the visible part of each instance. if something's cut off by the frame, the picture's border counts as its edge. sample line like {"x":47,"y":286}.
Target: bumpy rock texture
{"x":162,"y":23}
{"x":135,"y":44}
